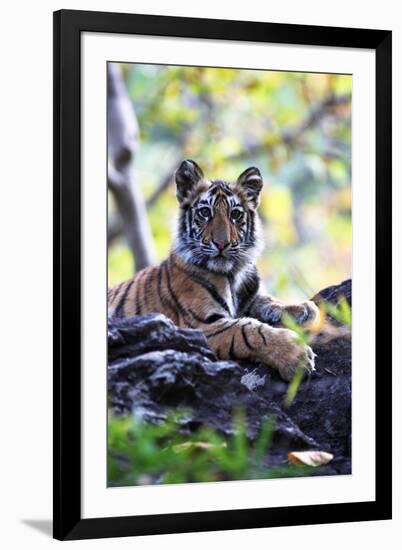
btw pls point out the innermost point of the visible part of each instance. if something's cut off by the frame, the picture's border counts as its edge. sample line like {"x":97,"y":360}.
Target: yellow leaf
{"x":310,"y":458}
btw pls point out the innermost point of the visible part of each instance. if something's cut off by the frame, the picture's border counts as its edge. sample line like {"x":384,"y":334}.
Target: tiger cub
{"x":210,"y":281}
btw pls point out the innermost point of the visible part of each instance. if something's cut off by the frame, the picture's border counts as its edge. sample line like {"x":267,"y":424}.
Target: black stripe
{"x":122,"y":300}
{"x":190,"y":222}
{"x":243,"y":333}
{"x":251,"y":237}
{"x":159,"y":283}
{"x":178,"y":305}
{"x":232,"y":291}
{"x":249,"y":311}
{"x":200,"y":319}
{"x":248,"y":290}
{"x":115,"y":291}
{"x":110,"y":293}
{"x":213,"y":318}
{"x":138,"y":308}
{"x":262,"y":334}
{"x":209,"y":287}
{"x":232,"y":354}
{"x":213,"y":292}
{"x":214,"y":190}
{"x":248,"y":226}
{"x":166,"y":301}
{"x":182,"y":222}
{"x":224,"y":329}
{"x":147,"y":287}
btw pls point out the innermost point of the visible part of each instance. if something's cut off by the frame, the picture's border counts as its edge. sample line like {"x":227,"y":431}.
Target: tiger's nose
{"x":220,"y":245}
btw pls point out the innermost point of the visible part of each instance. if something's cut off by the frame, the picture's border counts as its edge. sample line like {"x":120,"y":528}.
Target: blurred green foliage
{"x":140,"y":453}
{"x":228,"y":119}
{"x":342,"y":312}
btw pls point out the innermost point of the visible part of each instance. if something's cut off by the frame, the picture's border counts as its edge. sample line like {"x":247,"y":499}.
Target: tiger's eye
{"x":204,"y":212}
{"x":236,"y":215}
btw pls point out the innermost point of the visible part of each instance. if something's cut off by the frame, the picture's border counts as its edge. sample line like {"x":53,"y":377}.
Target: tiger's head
{"x":218,"y":227}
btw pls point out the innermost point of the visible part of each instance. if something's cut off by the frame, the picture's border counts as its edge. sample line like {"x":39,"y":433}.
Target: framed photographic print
{"x":217,"y":186}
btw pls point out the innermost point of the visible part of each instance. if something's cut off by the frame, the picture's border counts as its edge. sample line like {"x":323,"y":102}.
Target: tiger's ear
{"x":188,"y":175}
{"x":251,"y":182}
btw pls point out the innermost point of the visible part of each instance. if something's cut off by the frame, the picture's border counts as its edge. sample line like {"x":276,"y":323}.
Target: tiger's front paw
{"x":292,"y":355}
{"x":306,"y":313}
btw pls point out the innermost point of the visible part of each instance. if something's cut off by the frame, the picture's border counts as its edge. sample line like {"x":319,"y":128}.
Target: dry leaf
{"x":310,"y":458}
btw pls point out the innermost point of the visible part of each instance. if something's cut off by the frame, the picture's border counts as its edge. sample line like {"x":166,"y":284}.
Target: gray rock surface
{"x":155,"y":367}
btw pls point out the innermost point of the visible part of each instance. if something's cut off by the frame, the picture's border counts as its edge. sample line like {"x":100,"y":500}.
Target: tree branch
{"x":289,"y":136}
{"x":164,"y":184}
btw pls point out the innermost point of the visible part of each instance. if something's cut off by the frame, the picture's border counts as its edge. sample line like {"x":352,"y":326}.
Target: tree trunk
{"x":122,"y":148}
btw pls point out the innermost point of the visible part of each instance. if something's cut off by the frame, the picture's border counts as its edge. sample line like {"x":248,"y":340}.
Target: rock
{"x":333,"y":293}
{"x":156,"y":367}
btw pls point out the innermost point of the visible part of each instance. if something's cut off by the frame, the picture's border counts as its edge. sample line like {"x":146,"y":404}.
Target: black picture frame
{"x":68,"y":27}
